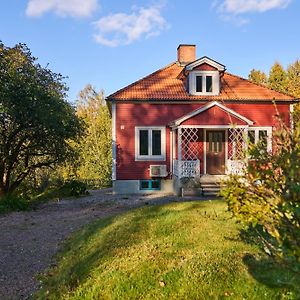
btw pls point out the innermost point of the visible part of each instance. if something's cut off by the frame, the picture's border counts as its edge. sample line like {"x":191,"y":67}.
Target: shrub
{"x":73,"y":188}
{"x":12,"y":202}
{"x":267,"y":196}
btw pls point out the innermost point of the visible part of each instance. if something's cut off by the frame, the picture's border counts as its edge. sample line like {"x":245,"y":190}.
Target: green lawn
{"x":189,"y":250}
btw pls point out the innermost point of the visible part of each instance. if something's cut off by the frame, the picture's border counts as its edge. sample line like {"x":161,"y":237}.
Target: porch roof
{"x":225,"y":116}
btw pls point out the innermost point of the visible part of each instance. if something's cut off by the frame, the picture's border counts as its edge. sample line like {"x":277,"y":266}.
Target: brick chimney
{"x":186,"y":54}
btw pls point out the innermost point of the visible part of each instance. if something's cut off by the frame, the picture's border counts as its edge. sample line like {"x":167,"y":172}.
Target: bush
{"x":73,"y":188}
{"x":12,"y":202}
{"x":267,"y":196}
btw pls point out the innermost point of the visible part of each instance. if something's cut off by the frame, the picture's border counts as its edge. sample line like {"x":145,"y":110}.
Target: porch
{"x":199,"y":150}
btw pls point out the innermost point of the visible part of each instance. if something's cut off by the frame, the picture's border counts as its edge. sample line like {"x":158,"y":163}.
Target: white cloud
{"x":121,"y":29}
{"x":74,"y":8}
{"x":234,"y":10}
{"x":246,"y":6}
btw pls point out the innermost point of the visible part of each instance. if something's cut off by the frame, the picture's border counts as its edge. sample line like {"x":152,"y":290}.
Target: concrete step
{"x":207,"y":194}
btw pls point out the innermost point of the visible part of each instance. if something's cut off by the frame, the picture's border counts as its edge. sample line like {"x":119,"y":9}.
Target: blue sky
{"x":110,"y":44}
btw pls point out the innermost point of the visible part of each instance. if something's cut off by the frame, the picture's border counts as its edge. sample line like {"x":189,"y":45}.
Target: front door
{"x":215,"y":152}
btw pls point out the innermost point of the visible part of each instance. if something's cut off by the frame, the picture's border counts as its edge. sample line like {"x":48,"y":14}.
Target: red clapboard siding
{"x":129,"y":115}
{"x":214,"y":116}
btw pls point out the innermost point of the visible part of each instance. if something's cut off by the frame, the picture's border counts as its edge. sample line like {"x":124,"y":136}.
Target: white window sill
{"x":150,"y":158}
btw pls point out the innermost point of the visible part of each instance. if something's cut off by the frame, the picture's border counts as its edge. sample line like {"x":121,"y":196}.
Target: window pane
{"x":251,"y":136}
{"x":210,"y":141}
{"x":155,"y":184}
{"x":199,"y":84}
{"x":209,"y":84}
{"x":216,"y":140}
{"x":262,"y":135}
{"x":156,"y":142}
{"x":221,"y":141}
{"x":144,"y":142}
{"x":144,"y":185}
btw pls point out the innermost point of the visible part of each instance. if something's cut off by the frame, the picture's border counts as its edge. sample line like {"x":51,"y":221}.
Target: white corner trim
{"x":171,"y":151}
{"x":291,"y":116}
{"x":114,"y":141}
{"x":204,"y":60}
{"x":150,"y":157}
{"x":206,"y":107}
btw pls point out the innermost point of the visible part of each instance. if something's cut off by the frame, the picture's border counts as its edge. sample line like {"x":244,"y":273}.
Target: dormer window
{"x":204,"y":83}
{"x":204,"y":76}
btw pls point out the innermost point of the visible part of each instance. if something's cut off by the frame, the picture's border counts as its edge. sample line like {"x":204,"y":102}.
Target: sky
{"x":111,"y":44}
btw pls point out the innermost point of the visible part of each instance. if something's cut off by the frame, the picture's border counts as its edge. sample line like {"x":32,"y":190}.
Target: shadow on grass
{"x":102,"y":241}
{"x":272,"y":273}
{"x":266,"y":269}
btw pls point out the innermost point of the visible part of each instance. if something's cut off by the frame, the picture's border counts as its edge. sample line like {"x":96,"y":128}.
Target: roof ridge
{"x":143,"y":78}
{"x":260,"y":85}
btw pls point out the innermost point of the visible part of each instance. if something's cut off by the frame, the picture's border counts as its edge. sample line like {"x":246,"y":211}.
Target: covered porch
{"x":208,"y":150}
{"x":209,"y":141}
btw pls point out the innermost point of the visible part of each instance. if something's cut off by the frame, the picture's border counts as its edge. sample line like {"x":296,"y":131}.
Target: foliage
{"x":277,"y":78}
{"x":13,"y":202}
{"x":189,"y":250}
{"x":36,"y":122}
{"x":293,"y":77}
{"x":93,"y":162}
{"x":258,"y":76}
{"x":73,"y":188}
{"x":268,"y":194}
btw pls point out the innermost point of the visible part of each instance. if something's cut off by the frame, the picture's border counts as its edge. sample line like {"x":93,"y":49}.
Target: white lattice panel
{"x":236,"y":143}
{"x":189,"y":144}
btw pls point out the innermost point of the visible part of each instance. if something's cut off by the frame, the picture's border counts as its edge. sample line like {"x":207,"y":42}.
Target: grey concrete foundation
{"x":133,"y":187}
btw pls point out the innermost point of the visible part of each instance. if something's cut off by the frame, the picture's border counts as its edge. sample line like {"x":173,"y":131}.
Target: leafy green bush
{"x":267,"y":196}
{"x":73,"y":188}
{"x":12,"y":202}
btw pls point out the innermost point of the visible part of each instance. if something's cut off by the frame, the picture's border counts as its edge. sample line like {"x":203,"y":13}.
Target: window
{"x":204,"y":83}
{"x":150,"y":185}
{"x":215,"y":141}
{"x":150,"y":143}
{"x":209,"y":84}
{"x":261,"y":135}
{"x":199,"y":84}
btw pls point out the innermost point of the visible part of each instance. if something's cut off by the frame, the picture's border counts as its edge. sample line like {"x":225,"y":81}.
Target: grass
{"x":189,"y":250}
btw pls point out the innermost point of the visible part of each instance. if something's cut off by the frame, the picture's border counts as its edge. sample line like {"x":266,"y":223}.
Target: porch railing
{"x":186,"y":168}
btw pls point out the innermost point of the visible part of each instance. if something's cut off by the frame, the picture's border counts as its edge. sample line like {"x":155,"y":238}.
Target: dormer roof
{"x":205,"y":60}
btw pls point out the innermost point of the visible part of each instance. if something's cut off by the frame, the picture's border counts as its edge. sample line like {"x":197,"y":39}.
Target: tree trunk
{"x":3,"y":191}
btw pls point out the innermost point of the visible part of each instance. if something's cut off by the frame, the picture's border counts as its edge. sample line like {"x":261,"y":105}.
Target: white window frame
{"x":215,"y":82}
{"x":150,"y":157}
{"x":269,"y":135}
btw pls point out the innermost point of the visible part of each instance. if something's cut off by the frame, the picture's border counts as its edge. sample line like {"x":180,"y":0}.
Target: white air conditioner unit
{"x":158,"y":171}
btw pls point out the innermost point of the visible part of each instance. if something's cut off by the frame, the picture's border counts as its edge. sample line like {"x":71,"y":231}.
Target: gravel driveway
{"x":29,"y":240}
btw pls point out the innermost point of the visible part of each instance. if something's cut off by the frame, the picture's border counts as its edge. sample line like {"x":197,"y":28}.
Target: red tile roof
{"x":167,"y":84}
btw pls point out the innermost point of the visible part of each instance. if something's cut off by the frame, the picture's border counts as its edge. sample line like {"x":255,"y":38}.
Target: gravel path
{"x":29,"y":240}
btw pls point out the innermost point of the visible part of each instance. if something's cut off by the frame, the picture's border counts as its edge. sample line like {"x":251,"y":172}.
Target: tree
{"x":278,"y":78}
{"x":267,"y":195}
{"x":94,"y":149}
{"x":36,"y":121}
{"x":258,"y":76}
{"x":293,"y":79}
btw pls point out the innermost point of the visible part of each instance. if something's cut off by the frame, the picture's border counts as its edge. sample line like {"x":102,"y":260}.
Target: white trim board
{"x":150,"y":157}
{"x":212,"y":126}
{"x":215,"y":83}
{"x":206,"y":107}
{"x":114,"y":144}
{"x":205,"y":60}
{"x":204,"y":146}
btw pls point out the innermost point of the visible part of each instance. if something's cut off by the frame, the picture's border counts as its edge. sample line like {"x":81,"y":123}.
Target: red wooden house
{"x":189,"y":119}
